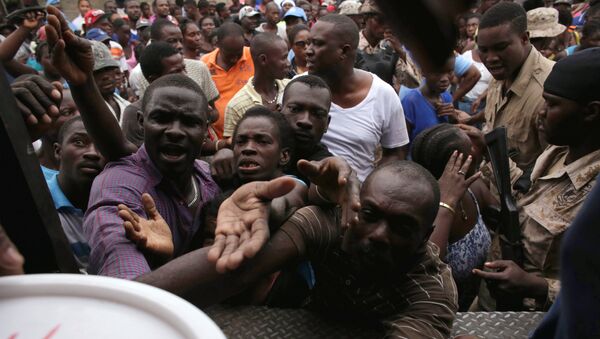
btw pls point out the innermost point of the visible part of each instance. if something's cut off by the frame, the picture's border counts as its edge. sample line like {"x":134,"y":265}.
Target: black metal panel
{"x":26,"y":208}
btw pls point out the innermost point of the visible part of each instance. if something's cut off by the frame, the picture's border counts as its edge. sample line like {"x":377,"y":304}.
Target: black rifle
{"x":507,"y":218}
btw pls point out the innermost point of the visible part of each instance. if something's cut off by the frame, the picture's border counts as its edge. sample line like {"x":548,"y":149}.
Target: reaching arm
{"x":73,"y":58}
{"x":453,"y":185}
{"x":466,"y":83}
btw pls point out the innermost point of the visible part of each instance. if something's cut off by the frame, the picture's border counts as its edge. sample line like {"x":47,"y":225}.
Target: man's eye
{"x":368,"y":215}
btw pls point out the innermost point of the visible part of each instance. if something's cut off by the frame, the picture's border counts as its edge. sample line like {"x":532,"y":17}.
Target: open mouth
{"x":248,"y":166}
{"x":173,"y":152}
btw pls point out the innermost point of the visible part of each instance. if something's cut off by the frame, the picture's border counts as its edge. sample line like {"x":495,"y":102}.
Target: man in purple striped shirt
{"x":175,"y":115}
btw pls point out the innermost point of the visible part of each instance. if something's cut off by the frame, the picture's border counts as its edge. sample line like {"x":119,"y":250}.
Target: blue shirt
{"x":71,"y":220}
{"x":48,"y":172}
{"x":461,"y":65}
{"x":419,"y":112}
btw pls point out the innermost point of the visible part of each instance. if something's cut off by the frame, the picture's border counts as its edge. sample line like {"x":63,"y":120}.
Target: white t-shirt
{"x":354,"y":133}
{"x":483,"y":82}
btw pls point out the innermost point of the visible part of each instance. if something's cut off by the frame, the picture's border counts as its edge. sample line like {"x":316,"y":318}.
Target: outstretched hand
{"x":242,"y":222}
{"x":337,"y":182}
{"x":151,"y":235}
{"x":71,"y":55}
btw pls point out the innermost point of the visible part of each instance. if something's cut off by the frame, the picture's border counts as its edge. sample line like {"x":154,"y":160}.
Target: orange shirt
{"x":228,"y":82}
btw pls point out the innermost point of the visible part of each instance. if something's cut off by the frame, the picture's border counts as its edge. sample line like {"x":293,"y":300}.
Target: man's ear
{"x":525,"y":38}
{"x":57,"y":150}
{"x":328,"y":121}
{"x":284,"y":157}
{"x":346,"y":50}
{"x":140,"y":117}
{"x":592,"y":112}
{"x":263,"y":59}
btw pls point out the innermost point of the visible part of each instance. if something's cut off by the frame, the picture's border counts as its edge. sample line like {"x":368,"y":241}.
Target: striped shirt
{"x":123,"y":182}
{"x":419,"y":304}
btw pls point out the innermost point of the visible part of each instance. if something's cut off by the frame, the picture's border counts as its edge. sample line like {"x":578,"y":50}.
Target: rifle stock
{"x":507,"y":219}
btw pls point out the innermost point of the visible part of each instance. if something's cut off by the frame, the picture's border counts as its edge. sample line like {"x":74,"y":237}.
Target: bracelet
{"x":217,"y":146}
{"x":321,"y":195}
{"x":448,"y":207}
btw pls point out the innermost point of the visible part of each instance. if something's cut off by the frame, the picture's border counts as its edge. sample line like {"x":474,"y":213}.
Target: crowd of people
{"x":294,"y":153}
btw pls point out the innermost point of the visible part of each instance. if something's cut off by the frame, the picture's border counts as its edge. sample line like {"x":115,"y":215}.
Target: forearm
{"x":10,"y":46}
{"x":281,"y":208}
{"x":193,"y":277}
{"x":441,"y":231}
{"x":467,"y":83}
{"x":477,"y":117}
{"x":100,"y":122}
{"x":16,"y":69}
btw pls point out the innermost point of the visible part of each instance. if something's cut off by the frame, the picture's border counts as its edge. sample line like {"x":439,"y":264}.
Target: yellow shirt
{"x":245,"y":99}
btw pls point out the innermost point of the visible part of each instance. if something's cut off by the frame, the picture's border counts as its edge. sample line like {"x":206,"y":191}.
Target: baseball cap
{"x":568,"y":2}
{"x":247,"y":11}
{"x":102,"y":57}
{"x":141,"y":23}
{"x":297,"y":12}
{"x":97,"y":34}
{"x":92,"y":16}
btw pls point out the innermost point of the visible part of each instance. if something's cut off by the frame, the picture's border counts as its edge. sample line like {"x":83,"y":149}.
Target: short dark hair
{"x":229,"y":29}
{"x":261,"y":43}
{"x":433,"y":147}
{"x":505,"y":13}
{"x":220,"y":7}
{"x":203,"y":4}
{"x":533,"y":4}
{"x":183,"y":23}
{"x":312,"y":81}
{"x":415,"y":173}
{"x":345,"y":28}
{"x":470,"y":16}
{"x":286,"y":133}
{"x":157,"y":28}
{"x":295,"y":30}
{"x":565,"y":17}
{"x":590,"y":28}
{"x":152,"y":57}
{"x":207,"y":17}
{"x":62,"y":131}
{"x":178,"y":81}
{"x":118,"y":23}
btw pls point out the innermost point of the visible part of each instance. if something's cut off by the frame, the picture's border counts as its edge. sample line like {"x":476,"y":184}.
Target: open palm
{"x":151,"y":235}
{"x":242,"y":223}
